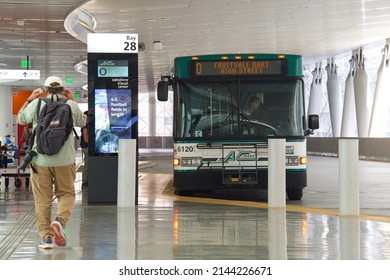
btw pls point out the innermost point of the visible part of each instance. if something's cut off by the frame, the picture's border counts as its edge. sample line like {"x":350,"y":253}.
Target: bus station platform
{"x":226,"y":226}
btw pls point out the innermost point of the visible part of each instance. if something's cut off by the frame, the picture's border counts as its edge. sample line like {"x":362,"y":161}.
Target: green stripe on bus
{"x":259,"y":169}
{"x":234,"y":141}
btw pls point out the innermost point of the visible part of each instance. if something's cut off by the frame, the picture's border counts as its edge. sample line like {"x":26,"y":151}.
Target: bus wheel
{"x":295,"y":194}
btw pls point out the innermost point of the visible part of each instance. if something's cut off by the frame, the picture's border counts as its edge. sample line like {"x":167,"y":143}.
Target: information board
{"x":113,"y":91}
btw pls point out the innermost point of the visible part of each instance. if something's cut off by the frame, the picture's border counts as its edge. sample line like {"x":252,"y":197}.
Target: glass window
{"x":240,"y":109}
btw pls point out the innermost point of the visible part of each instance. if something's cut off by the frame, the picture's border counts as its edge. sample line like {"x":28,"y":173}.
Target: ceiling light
{"x":20,"y":22}
{"x":157,"y":46}
{"x":81,"y":67}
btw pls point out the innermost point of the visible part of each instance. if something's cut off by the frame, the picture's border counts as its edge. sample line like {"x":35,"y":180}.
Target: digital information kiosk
{"x":112,"y":109}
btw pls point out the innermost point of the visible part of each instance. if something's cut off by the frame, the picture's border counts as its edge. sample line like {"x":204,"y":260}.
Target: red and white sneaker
{"x":59,"y":233}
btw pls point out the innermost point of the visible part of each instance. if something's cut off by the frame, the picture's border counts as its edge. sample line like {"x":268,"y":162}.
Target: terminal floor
{"x":166,"y":227}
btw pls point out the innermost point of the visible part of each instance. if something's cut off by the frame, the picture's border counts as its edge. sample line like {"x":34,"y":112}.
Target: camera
{"x":27,"y":159}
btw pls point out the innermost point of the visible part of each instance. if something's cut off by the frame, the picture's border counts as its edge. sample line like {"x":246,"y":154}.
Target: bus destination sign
{"x":252,"y":67}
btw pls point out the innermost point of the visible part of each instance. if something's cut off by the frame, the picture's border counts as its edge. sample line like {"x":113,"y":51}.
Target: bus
{"x":220,"y":142}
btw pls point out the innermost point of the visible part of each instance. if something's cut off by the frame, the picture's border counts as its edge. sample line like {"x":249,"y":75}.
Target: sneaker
{"x":59,"y":233}
{"x":46,"y":243}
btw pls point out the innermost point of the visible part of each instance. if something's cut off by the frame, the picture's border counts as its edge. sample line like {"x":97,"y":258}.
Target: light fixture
{"x":157,"y":45}
{"x":81,"y":67}
{"x":20,"y":22}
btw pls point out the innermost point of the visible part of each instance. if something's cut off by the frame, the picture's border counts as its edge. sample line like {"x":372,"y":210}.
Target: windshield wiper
{"x":225,"y":121}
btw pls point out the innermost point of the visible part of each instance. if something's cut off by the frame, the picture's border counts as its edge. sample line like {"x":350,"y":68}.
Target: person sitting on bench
{"x":10,"y":145}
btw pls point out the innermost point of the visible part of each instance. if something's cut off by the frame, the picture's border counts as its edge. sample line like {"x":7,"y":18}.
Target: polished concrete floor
{"x":166,"y":227}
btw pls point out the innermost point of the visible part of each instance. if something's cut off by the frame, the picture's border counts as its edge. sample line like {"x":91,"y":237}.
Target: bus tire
{"x":295,"y":194}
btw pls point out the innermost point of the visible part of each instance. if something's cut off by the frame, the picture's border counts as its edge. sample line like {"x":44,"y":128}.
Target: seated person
{"x":255,"y":108}
{"x":10,"y":145}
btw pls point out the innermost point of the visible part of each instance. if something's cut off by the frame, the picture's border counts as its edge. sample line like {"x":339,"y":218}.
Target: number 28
{"x":130,"y":46}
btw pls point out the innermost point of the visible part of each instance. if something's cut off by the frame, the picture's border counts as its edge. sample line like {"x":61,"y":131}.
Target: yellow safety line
{"x":262,"y":205}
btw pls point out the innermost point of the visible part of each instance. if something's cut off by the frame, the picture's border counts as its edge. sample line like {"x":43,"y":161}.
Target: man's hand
{"x":68,"y":94}
{"x":37,"y":93}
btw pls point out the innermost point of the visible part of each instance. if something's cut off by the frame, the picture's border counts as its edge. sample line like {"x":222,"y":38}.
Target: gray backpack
{"x":55,"y":123}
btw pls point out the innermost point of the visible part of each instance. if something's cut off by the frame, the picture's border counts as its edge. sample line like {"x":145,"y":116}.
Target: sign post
{"x":113,"y":110}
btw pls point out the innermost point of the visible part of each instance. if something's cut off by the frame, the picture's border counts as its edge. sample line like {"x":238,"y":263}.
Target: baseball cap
{"x":53,"y":82}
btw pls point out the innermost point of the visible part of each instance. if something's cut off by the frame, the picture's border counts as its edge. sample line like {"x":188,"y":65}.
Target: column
{"x":315,"y":99}
{"x":151,"y":119}
{"x":362,"y":96}
{"x":334,"y":97}
{"x":381,"y":105}
{"x":6,"y":118}
{"x":349,"y":125}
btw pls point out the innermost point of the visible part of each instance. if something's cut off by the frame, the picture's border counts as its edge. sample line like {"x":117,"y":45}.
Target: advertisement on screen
{"x":113,"y":118}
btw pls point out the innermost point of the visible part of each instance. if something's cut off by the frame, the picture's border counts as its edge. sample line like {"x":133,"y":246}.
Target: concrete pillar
{"x":362,"y":96}
{"x":277,"y":173}
{"x":349,"y":125}
{"x":6,"y":118}
{"x":315,"y":99}
{"x":334,"y":97}
{"x":127,"y":173}
{"x":381,"y":105}
{"x":151,"y":118}
{"x":349,"y":177}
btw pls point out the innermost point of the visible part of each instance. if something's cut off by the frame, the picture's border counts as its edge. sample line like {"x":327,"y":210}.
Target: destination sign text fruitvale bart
{"x":238,"y":67}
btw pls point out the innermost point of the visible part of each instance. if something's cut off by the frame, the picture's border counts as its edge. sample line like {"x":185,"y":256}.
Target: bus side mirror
{"x":314,"y":122}
{"x":162,"y":90}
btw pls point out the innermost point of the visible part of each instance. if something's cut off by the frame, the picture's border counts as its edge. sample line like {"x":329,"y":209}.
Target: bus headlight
{"x":191,"y":161}
{"x":176,"y":162}
{"x":303,"y":160}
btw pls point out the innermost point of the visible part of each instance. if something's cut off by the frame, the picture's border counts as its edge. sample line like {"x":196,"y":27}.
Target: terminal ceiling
{"x":316,"y":29}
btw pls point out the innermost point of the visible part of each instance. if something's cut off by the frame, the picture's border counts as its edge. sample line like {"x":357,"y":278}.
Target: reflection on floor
{"x":167,"y":228}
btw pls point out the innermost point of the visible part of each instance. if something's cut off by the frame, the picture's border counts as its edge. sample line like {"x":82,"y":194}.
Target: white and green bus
{"x":219,"y":141}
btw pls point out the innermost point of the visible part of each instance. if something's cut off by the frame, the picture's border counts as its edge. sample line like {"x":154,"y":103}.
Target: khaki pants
{"x":63,"y":178}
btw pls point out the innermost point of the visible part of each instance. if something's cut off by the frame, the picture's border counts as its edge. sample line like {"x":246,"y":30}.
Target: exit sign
{"x":25,"y":64}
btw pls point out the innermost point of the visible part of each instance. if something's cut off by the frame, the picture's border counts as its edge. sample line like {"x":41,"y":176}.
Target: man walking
{"x":54,"y":174}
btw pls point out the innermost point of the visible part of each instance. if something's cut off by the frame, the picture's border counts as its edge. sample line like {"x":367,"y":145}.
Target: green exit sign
{"x":69,"y":80}
{"x":77,"y":95}
{"x":25,"y":64}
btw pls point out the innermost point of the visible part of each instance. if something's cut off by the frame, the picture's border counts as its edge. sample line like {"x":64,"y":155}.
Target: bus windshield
{"x":240,"y":109}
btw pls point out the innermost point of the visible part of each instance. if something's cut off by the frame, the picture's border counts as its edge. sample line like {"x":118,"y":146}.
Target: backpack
{"x":55,"y":123}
